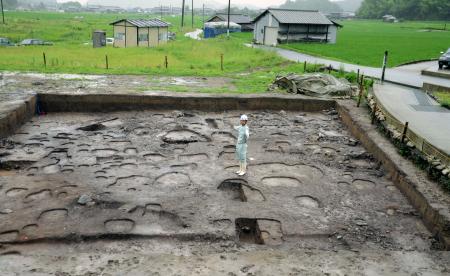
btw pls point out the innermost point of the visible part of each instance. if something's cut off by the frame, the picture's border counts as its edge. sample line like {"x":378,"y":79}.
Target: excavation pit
{"x":193,"y":183}
{"x":159,"y":174}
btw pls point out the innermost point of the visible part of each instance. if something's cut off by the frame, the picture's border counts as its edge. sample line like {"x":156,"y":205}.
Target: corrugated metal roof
{"x":236,"y":18}
{"x":145,"y":23}
{"x":286,"y":16}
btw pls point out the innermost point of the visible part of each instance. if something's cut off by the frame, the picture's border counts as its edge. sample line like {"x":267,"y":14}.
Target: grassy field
{"x":70,"y":33}
{"x":364,"y":42}
{"x":251,"y":70}
{"x":443,"y":98}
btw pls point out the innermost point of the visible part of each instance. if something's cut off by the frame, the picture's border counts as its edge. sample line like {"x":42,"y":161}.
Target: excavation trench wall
{"x":432,"y":208}
{"x":14,"y":113}
{"x":217,"y":103}
{"x":428,"y":199}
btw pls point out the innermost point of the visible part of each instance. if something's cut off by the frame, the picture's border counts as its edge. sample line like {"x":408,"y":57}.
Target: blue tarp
{"x":213,"y":29}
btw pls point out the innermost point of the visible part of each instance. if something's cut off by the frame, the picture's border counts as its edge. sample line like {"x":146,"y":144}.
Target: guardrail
{"x":419,"y":142}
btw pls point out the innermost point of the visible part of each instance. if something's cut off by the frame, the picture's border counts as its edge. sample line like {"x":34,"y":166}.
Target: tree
{"x":321,"y":5}
{"x":374,"y":8}
{"x":406,"y":9}
{"x":10,"y":4}
{"x":71,"y":5}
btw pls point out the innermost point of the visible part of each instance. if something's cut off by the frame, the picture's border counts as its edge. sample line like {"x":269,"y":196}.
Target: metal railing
{"x":420,"y":143}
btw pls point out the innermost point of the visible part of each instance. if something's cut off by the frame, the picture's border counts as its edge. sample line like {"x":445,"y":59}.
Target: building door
{"x":270,"y":36}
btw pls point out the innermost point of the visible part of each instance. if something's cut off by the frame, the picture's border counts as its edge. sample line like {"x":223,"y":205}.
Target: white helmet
{"x":244,"y":118}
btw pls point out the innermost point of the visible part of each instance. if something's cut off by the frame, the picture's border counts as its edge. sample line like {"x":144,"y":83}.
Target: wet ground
{"x":109,"y":84}
{"x":155,"y":192}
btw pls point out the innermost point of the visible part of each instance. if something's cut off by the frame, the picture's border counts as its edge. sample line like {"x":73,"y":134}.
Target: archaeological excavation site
{"x":145,"y":184}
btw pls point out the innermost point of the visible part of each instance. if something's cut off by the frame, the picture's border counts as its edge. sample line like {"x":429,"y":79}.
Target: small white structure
{"x":275,"y":26}
{"x":389,"y":18}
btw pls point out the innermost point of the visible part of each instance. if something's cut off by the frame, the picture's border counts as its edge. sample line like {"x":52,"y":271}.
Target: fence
{"x":420,"y":143}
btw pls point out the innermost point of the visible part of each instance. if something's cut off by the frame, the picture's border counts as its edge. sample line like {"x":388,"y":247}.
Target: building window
{"x":143,"y":37}
{"x":120,"y":36}
{"x":162,"y":37}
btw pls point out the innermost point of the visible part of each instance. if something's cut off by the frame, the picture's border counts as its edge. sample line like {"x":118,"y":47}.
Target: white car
{"x":109,"y":41}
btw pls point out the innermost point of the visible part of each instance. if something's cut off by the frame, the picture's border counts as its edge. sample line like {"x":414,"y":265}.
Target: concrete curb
{"x":416,"y":61}
{"x":433,"y":87}
{"x":436,"y":74}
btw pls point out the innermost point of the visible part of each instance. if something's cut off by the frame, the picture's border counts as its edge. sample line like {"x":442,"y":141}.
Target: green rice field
{"x":364,"y":42}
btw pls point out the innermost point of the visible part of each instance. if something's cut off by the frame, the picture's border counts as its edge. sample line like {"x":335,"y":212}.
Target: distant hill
{"x":406,"y":9}
{"x":153,"y":3}
{"x":48,"y":3}
{"x":349,"y":5}
{"x":321,"y":5}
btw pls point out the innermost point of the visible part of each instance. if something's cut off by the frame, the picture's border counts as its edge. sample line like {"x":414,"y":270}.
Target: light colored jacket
{"x":243,"y":134}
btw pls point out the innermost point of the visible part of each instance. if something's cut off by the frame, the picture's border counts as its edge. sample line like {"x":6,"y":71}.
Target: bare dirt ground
{"x":155,"y":193}
{"x":109,"y":84}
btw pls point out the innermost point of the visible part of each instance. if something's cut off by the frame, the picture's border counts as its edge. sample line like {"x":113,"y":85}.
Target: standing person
{"x":241,"y":146}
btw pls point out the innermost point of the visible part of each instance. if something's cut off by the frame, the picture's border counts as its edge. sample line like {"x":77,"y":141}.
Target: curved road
{"x":424,"y":115}
{"x":404,"y":101}
{"x":409,"y":75}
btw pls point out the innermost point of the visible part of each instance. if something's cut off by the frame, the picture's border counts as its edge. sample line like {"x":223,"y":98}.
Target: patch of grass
{"x":185,"y":57}
{"x":72,"y":52}
{"x":443,"y":98}
{"x":364,"y":42}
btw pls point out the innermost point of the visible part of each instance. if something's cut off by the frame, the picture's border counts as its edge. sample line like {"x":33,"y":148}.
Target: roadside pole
{"x":192,"y":10}
{"x":385,"y":59}
{"x":182,"y":15}
{"x":3,"y":12}
{"x":228,"y":25}
{"x":203,"y":14}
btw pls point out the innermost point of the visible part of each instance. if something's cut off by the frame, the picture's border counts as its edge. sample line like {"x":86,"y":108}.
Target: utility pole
{"x":3,"y":12}
{"x":182,"y":15}
{"x":203,"y":13}
{"x":192,"y":9}
{"x":385,"y":60}
{"x":228,"y":26}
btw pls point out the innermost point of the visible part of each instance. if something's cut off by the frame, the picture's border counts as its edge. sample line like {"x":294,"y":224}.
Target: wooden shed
{"x":140,"y":32}
{"x":275,"y":26}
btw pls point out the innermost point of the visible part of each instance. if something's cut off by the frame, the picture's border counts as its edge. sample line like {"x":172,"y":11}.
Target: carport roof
{"x":236,"y":18}
{"x":144,"y":23}
{"x":286,"y":16}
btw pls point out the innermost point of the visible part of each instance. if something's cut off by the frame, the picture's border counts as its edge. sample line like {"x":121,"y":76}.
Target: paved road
{"x":425,"y":116}
{"x":407,"y":75}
